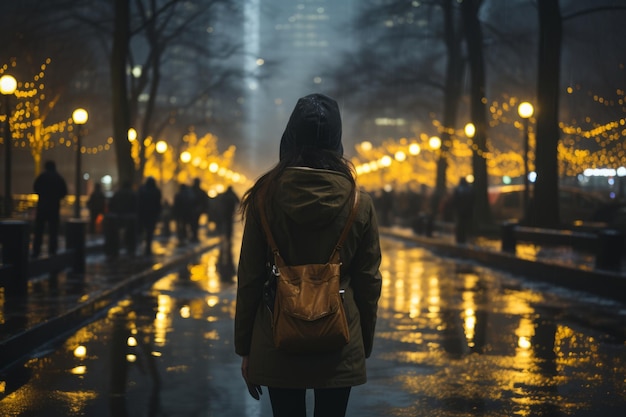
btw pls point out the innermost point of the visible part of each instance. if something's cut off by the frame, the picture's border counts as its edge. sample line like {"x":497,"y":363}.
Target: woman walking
{"x":307,"y":200}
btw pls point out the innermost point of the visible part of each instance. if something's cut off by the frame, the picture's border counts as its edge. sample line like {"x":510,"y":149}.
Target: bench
{"x":606,"y":244}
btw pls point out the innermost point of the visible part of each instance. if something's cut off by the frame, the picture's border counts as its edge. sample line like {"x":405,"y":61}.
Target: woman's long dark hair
{"x":265,"y":187}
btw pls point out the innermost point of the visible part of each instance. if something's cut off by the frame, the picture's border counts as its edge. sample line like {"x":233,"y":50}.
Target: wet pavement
{"x":60,"y":301}
{"x":454,"y":338}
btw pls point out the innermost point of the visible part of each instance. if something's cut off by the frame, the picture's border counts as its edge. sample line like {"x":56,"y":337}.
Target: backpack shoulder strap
{"x":268,"y":235}
{"x":334,"y":257}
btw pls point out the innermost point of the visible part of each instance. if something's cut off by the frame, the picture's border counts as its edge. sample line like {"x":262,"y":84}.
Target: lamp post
{"x":8,"y":85}
{"x":161,"y":148}
{"x":525,"y":110}
{"x":79,"y":116}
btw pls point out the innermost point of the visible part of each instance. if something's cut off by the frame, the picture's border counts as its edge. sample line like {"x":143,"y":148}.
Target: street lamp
{"x":470,"y":130}
{"x":525,"y":110}
{"x":161,"y":148}
{"x":79,"y":116}
{"x":8,"y":85}
{"x":185,"y":157}
{"x":435,"y":143}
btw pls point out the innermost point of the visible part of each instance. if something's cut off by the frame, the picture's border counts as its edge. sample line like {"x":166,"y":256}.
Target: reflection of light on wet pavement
{"x":79,"y":370}
{"x":479,"y":344}
{"x":453,"y":339}
{"x":75,"y":400}
{"x":80,"y":351}
{"x":162,"y":320}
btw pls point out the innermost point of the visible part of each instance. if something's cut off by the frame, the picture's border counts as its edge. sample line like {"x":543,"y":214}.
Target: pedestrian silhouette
{"x":225,"y":206}
{"x":199,"y":206}
{"x":149,"y":202}
{"x":123,"y":208}
{"x":181,"y":213}
{"x":166,"y":218}
{"x":96,"y":205}
{"x":51,"y":188}
{"x":462,"y":203}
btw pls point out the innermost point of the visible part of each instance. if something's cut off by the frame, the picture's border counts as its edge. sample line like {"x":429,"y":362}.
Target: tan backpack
{"x":308,"y":313}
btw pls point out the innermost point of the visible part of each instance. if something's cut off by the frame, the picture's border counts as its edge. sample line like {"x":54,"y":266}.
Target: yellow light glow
{"x":131,"y":341}
{"x":470,"y":130}
{"x":525,"y":110}
{"x":400,"y":156}
{"x":385,"y":161}
{"x":524,"y":342}
{"x":79,"y":370}
{"x":414,"y":149}
{"x":80,"y":351}
{"x":80,"y":116}
{"x":212,"y":301}
{"x":185,"y":157}
{"x":366,"y":146}
{"x":8,"y":84}
{"x":161,"y":146}
{"x":434,"y":142}
{"x":132,"y":134}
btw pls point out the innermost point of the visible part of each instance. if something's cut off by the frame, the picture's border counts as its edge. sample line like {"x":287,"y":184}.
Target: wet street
{"x":453,"y":339}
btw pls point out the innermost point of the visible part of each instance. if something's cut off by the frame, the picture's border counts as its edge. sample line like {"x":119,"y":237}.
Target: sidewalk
{"x":58,"y":303}
{"x":557,"y":265}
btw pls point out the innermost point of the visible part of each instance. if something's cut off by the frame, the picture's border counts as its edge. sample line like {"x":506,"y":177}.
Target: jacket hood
{"x":315,"y":123}
{"x":312,"y":197}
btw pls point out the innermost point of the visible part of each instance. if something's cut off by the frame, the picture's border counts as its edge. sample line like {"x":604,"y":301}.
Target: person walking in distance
{"x":307,"y":199}
{"x":149,"y":207}
{"x":183,"y":200}
{"x":124,"y":207}
{"x":463,"y":205}
{"x":199,"y":206}
{"x":224,"y":208}
{"x":51,"y":188}
{"x":227,"y":204}
{"x":96,"y":205}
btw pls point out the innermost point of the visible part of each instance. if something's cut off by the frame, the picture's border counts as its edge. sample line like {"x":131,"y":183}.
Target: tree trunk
{"x":121,"y":108}
{"x":478,"y":110}
{"x":544,"y":207}
{"x":452,"y":93}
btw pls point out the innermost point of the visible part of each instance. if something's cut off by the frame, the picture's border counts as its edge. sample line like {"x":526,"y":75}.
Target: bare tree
{"x":404,"y":62}
{"x":478,"y":108}
{"x":119,"y":99}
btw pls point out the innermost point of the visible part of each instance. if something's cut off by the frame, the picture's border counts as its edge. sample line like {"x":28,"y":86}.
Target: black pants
{"x":331,"y":402}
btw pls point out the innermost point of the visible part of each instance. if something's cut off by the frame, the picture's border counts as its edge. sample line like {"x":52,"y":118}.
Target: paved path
{"x":454,"y":339}
{"x":62,"y":301}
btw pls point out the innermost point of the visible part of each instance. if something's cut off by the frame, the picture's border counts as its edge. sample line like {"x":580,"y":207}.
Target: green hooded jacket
{"x":306,"y":216}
